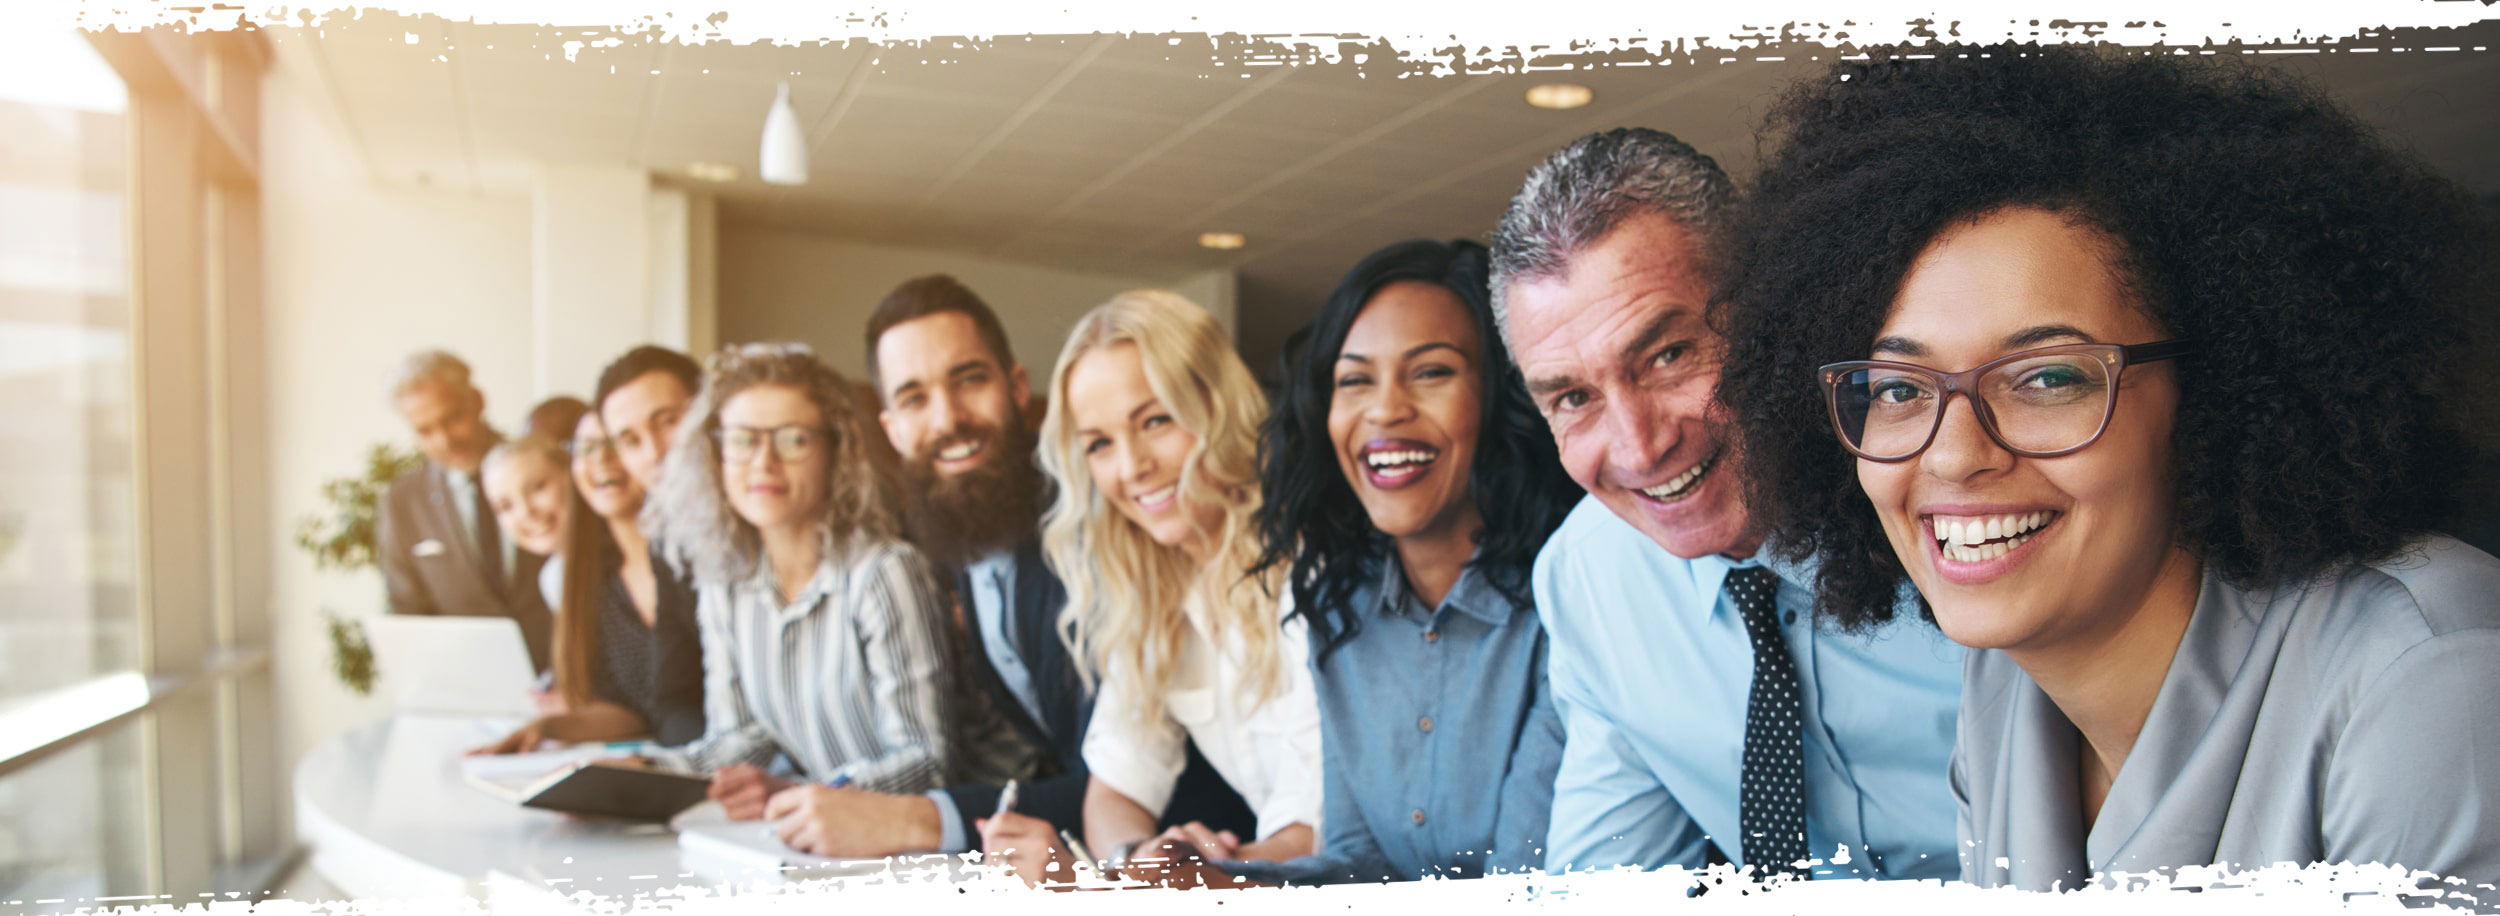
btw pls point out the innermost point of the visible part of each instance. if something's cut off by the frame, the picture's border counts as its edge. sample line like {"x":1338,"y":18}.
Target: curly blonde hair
{"x":689,"y":517}
{"x":1125,"y":591}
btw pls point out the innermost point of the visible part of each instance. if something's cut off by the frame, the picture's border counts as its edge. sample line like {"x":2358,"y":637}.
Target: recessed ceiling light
{"x":1559,"y":96}
{"x":712,"y":171}
{"x":1221,"y":241}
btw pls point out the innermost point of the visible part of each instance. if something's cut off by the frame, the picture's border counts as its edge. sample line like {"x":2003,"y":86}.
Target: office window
{"x":72,"y":825}
{"x":68,"y":513}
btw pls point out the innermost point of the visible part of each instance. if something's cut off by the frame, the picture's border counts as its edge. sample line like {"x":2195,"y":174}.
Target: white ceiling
{"x":1113,"y":153}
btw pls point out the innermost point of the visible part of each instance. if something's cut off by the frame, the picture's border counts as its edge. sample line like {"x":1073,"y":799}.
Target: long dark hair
{"x":1311,"y":518}
{"x":592,"y":562}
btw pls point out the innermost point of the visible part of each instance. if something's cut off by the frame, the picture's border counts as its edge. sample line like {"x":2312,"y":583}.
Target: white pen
{"x":1076,"y":847}
{"x":1006,"y":799}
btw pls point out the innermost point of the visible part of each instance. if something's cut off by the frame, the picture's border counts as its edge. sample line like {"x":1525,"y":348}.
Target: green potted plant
{"x":342,"y":537}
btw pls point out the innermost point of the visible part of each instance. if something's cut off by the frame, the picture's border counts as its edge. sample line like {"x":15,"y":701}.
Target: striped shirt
{"x":857,"y":675}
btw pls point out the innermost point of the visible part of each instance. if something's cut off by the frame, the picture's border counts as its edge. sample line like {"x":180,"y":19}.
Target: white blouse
{"x":1268,"y":752}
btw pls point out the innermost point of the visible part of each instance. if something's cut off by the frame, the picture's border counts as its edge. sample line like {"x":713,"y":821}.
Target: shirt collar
{"x":1473,"y":594}
{"x":765,"y":587}
{"x":1710,"y":572}
{"x":992,"y":563}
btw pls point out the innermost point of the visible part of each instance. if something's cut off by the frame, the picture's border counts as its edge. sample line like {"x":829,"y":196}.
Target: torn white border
{"x":1448,"y":36}
{"x":1452,"y":34}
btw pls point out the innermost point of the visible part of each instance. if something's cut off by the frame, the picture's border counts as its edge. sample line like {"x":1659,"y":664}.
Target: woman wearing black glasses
{"x":2158,"y":380}
{"x":823,"y":634}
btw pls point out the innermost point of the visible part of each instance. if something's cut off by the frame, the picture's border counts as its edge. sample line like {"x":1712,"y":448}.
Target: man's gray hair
{"x":426,"y":367}
{"x":1584,"y":190}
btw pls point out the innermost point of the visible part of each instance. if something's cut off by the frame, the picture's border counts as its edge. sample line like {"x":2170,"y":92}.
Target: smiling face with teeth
{"x":1134,"y":449}
{"x":530,"y":494}
{"x":2031,"y":554}
{"x":1409,"y":397}
{"x":1618,"y":360}
{"x":610,"y":492}
{"x":947,"y":397}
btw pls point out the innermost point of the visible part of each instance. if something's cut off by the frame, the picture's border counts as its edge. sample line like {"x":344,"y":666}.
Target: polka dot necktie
{"x":1772,"y":813}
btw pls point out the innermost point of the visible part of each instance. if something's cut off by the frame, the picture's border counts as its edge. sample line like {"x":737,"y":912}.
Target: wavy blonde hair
{"x":689,"y":516}
{"x":1125,"y":591}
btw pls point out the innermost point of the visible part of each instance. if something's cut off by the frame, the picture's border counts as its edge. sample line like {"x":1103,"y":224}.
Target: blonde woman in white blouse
{"x":1152,"y":439}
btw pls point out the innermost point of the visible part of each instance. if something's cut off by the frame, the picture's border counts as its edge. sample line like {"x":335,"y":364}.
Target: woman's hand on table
{"x":521,"y":741}
{"x":1028,"y":847}
{"x":1178,"y":858}
{"x":1209,"y":844}
{"x":548,"y":702}
{"x":743,"y":789}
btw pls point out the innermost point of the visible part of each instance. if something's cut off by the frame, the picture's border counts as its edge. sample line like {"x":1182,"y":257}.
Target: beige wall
{"x":780,"y":285}
{"x":357,"y":276}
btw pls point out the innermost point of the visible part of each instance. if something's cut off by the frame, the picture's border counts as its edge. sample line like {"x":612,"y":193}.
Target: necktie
{"x":1772,"y":812}
{"x":489,"y":540}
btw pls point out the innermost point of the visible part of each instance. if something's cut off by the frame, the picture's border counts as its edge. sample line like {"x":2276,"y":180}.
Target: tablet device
{"x":619,"y":788}
{"x":454,"y":665}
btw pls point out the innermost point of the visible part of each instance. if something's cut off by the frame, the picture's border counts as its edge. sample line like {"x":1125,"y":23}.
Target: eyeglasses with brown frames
{"x":2039,"y":403}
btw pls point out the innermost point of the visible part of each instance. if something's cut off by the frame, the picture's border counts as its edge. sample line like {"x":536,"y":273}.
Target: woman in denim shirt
{"x":1409,"y":485}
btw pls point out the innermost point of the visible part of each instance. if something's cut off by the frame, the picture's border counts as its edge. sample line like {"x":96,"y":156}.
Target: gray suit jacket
{"x":2347,"y":722}
{"x":431,"y":567}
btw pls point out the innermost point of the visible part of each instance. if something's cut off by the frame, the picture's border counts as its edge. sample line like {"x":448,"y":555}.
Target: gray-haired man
{"x":1705,"y":711}
{"x":435,"y":536}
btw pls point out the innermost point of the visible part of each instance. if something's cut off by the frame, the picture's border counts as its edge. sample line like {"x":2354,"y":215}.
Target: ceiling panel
{"x":1069,"y":168}
{"x":1001,"y":78}
{"x":1266,"y":149}
{"x":955,"y":122}
{"x":1339,"y":115}
{"x":1173,"y":96}
{"x":1182,"y":175}
{"x":1084,"y":132}
{"x":1121,"y":166}
{"x":1144,"y":209}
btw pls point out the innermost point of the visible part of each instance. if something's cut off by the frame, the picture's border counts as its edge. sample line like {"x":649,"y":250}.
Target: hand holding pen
{"x":1027,"y":846}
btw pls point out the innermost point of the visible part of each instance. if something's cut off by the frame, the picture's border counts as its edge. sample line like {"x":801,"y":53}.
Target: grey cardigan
{"x":2346,"y":722}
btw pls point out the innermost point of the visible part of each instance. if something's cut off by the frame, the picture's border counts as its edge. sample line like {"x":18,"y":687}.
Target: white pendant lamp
{"x":784,"y":159}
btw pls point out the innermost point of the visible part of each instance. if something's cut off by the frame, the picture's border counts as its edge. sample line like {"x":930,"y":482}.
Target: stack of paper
{"x":711,"y":845}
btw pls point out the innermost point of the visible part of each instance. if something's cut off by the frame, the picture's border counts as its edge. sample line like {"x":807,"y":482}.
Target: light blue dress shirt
{"x":1651,"y":668}
{"x":993,"y":577}
{"x":1438,"y":736}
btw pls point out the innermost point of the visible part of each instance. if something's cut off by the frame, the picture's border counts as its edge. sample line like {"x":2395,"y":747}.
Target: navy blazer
{"x":681,"y":656}
{"x":1066,"y":706}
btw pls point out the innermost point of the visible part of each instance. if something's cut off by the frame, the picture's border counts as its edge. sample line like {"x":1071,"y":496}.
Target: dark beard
{"x":997,"y":506}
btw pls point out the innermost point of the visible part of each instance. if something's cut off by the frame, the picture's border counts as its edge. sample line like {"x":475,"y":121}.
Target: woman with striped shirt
{"x":824,"y":636}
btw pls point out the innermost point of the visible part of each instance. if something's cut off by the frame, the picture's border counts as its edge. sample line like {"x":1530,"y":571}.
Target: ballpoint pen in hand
{"x":1076,"y":847}
{"x":1006,"y":799}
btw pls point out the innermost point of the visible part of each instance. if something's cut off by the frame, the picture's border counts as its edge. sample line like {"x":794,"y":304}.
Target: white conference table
{"x":388,"y":813}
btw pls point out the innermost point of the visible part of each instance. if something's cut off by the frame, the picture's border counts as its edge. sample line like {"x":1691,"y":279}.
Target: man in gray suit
{"x":441,"y":552}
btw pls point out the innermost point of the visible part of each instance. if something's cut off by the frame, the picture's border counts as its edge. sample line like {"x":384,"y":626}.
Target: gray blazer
{"x":2349,"y":722}
{"x":430,"y":566}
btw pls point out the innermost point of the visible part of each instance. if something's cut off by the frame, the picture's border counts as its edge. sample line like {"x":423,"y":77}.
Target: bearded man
{"x":960,"y":412}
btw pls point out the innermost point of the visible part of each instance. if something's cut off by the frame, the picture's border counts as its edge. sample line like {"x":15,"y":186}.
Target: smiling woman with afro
{"x":2160,"y":379}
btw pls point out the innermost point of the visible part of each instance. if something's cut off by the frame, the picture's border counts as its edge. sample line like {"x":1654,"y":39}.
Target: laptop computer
{"x":455,"y":665}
